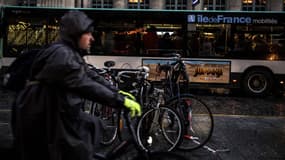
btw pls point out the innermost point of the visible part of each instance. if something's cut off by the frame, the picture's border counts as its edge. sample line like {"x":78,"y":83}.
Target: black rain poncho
{"x":50,"y":123}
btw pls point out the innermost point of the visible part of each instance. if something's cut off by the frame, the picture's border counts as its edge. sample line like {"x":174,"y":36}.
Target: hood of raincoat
{"x":73,"y":25}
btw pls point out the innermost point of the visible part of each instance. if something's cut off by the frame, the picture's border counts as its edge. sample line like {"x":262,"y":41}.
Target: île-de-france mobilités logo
{"x":191,"y":18}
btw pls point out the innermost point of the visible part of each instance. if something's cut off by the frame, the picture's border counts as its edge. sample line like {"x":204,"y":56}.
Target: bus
{"x":222,"y":49}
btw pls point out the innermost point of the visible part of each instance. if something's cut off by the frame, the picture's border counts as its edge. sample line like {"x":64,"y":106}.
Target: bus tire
{"x":257,"y":82}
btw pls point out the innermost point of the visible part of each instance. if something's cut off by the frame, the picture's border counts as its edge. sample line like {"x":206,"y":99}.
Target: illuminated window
{"x":135,"y":1}
{"x":138,"y":4}
{"x":176,"y":4}
{"x":214,"y":5}
{"x":102,"y":3}
{"x":27,"y":2}
{"x":247,"y":1}
{"x":254,"y":5}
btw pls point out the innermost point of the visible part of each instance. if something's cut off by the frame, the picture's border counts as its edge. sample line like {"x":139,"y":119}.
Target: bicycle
{"x":142,"y":154}
{"x":155,"y":131}
{"x":160,"y":127}
{"x":196,"y":115}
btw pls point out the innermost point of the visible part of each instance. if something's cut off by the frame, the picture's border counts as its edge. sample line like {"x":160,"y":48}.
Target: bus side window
{"x":150,"y":41}
{"x":207,"y":47}
{"x":259,"y":46}
{"x":165,"y":43}
{"x":108,"y":42}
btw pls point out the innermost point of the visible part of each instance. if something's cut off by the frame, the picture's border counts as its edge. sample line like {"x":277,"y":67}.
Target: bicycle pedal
{"x":187,"y":136}
{"x":190,"y":137}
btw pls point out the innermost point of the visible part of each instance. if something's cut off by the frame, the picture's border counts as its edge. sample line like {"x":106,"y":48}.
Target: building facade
{"x":238,"y":5}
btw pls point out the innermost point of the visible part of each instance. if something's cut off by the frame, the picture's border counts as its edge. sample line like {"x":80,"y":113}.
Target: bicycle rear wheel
{"x":197,"y":118}
{"x":109,"y":119}
{"x":159,"y":129}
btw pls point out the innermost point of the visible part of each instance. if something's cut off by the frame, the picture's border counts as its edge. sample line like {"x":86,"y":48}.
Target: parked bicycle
{"x":160,"y":127}
{"x":196,"y":115}
{"x":155,"y":131}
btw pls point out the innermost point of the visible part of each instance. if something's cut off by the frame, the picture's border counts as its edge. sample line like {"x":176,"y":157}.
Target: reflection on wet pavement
{"x":268,"y":106}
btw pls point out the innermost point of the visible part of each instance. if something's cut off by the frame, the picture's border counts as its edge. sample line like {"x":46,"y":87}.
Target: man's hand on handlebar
{"x":133,"y":106}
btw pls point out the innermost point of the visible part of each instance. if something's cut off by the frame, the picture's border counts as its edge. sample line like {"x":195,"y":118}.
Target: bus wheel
{"x":257,"y":82}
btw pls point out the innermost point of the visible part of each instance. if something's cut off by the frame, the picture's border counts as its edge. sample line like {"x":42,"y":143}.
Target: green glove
{"x":133,"y":106}
{"x":127,"y":94}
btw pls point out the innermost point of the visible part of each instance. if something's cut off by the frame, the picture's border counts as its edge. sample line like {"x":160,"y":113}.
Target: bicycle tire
{"x":198,"y":121}
{"x":162,"y":134}
{"x":109,"y":119}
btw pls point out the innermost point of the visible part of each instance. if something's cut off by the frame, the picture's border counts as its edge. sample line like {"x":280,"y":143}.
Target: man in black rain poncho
{"x":50,"y":124}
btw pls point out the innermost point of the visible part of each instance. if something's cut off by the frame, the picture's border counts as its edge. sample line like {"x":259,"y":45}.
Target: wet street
{"x":245,"y":128}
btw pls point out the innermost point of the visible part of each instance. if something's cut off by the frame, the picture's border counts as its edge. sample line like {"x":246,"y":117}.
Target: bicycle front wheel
{"x":159,"y":129}
{"x":197,"y":118}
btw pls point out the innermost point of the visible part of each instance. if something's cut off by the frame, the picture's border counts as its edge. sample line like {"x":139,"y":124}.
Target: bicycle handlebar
{"x":141,"y":71}
{"x":177,"y":66}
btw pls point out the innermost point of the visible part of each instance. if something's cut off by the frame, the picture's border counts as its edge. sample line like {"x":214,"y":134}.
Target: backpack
{"x":18,"y":72}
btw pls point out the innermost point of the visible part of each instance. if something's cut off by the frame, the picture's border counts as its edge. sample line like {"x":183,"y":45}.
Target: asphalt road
{"x":244,"y":138}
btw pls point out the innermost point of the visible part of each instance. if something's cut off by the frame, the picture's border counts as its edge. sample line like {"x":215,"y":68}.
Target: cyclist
{"x":50,"y":124}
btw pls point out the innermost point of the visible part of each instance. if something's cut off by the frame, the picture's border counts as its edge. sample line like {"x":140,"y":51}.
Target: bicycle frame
{"x":173,"y":73}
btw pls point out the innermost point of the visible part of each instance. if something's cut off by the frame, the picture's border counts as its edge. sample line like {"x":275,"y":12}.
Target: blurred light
{"x":135,"y":1}
{"x":234,"y":81}
{"x":247,"y":1}
{"x":272,"y":57}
